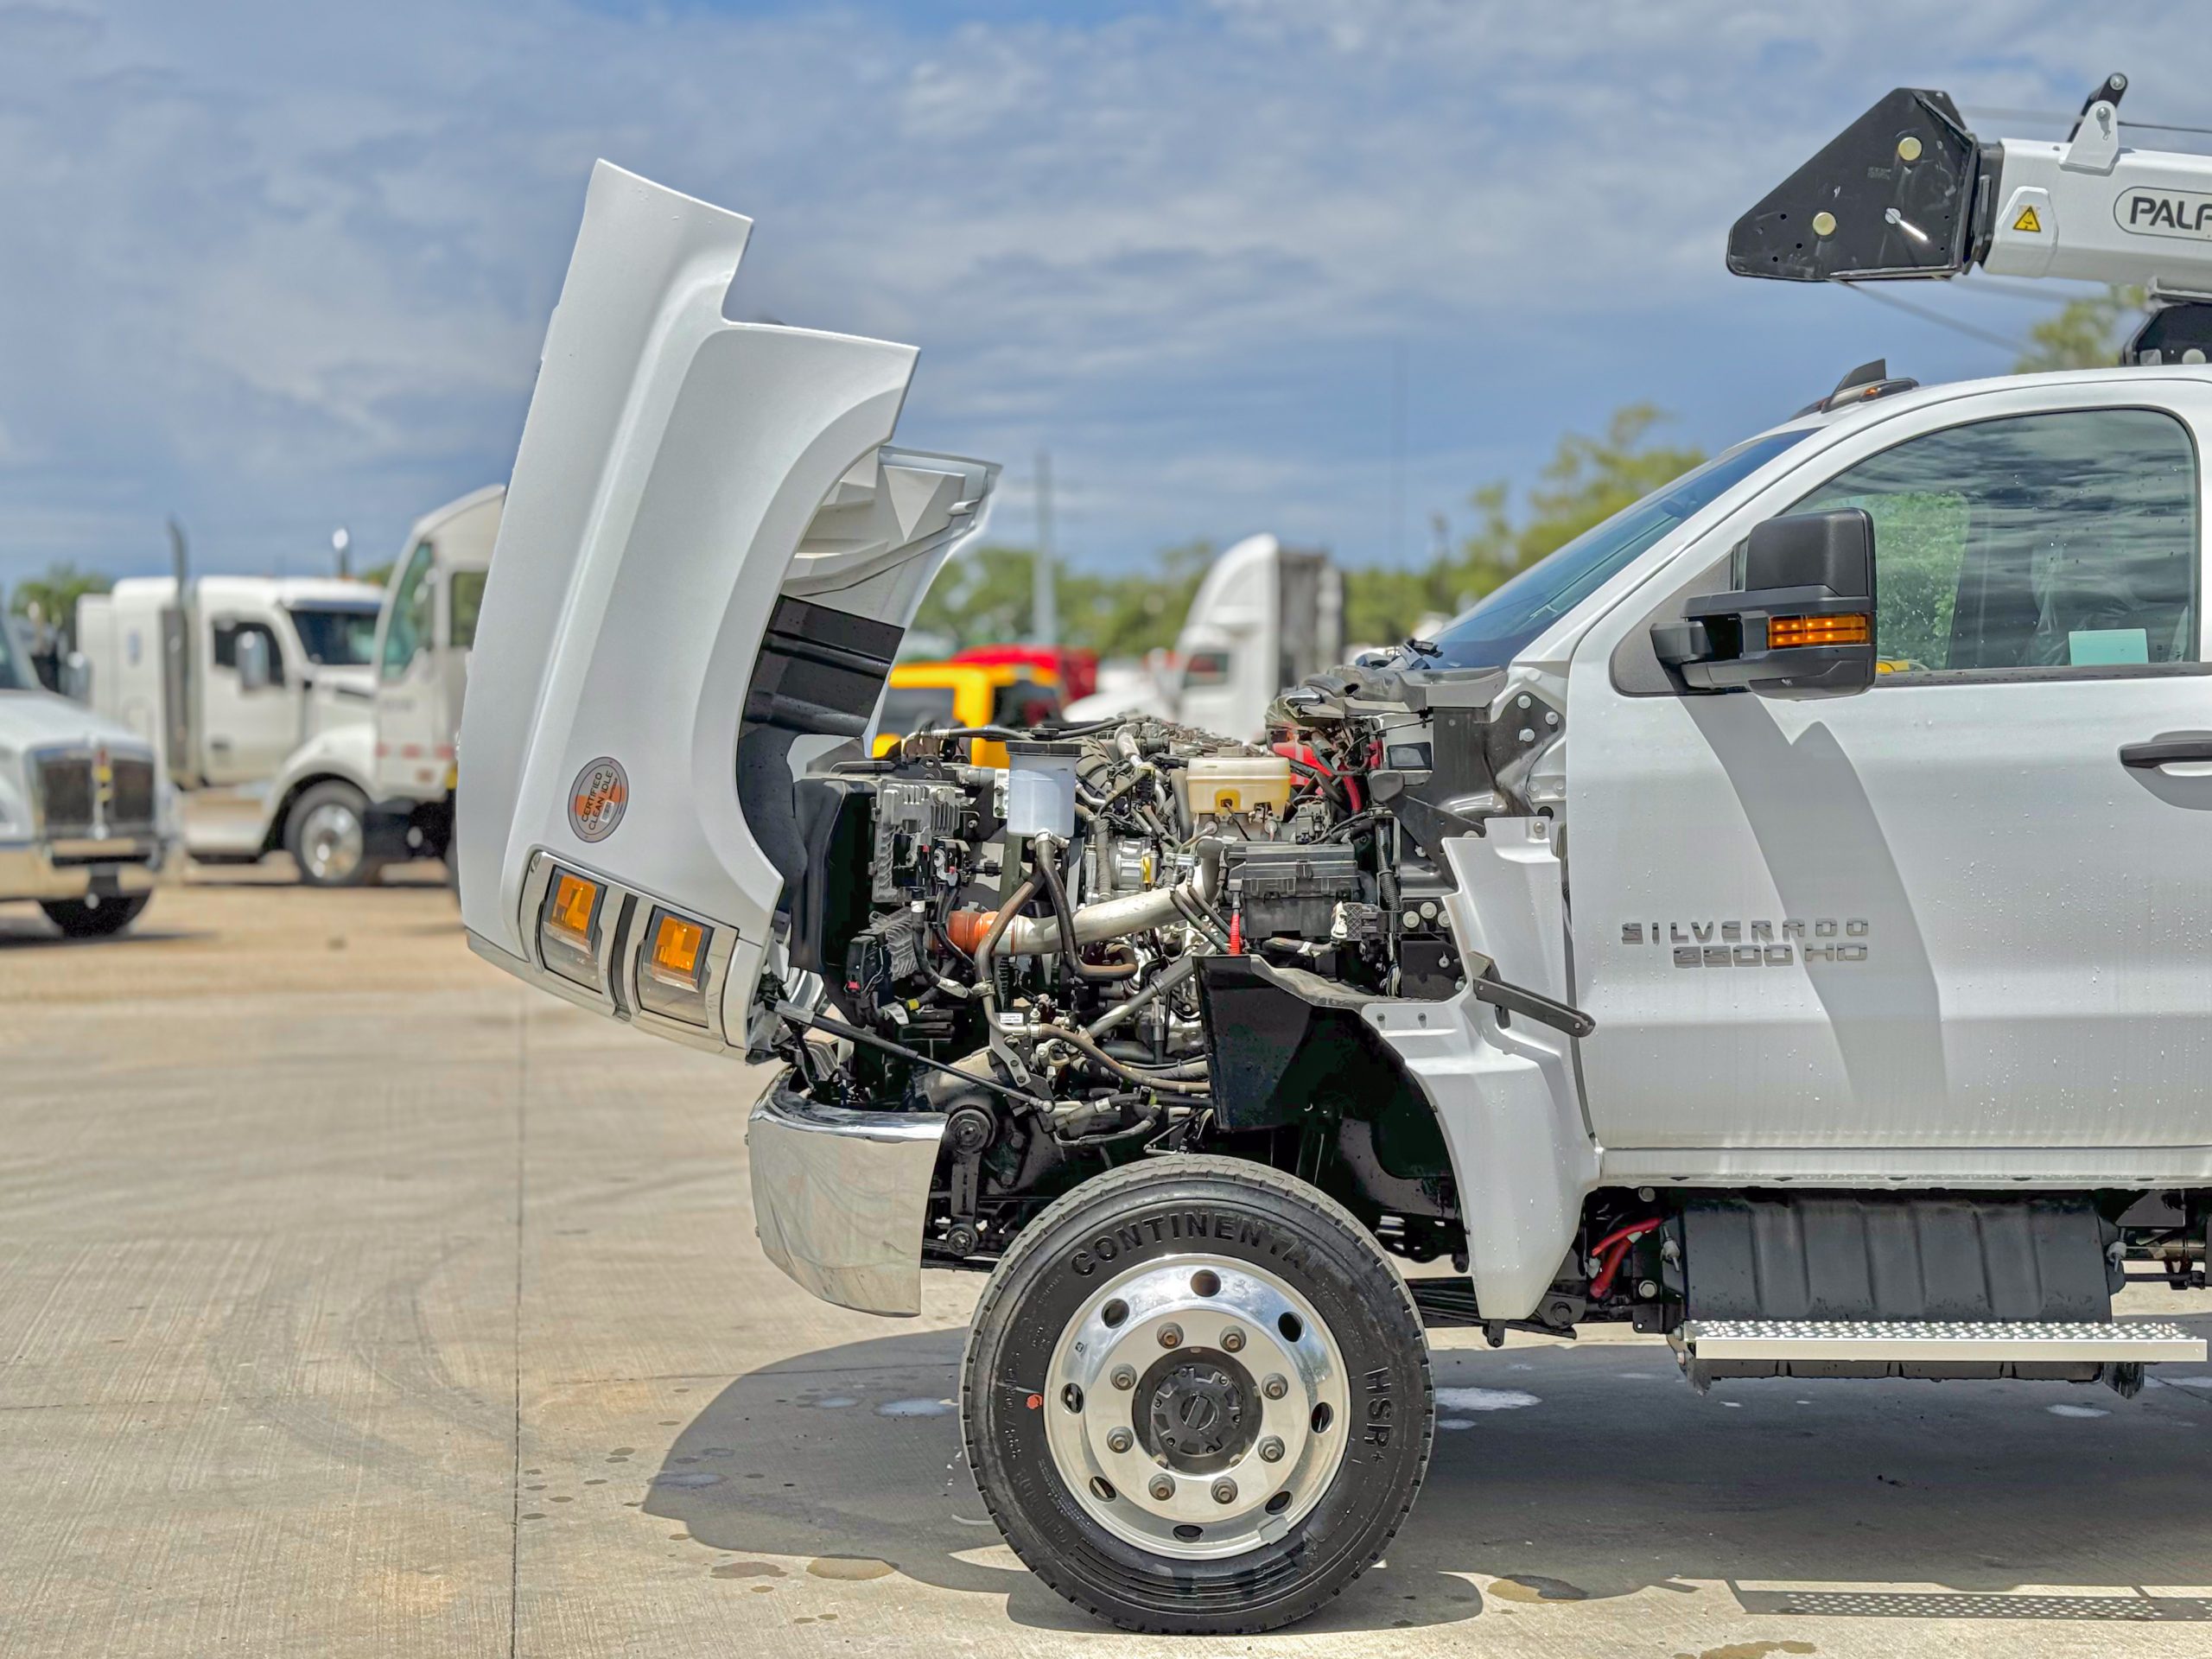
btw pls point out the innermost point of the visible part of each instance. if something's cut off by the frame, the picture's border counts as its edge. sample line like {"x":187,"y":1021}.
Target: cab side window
{"x":411,"y":613}
{"x":464,"y":603}
{"x":226,"y":636}
{"x":2064,"y":540}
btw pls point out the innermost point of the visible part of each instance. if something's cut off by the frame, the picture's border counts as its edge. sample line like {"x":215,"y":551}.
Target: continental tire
{"x":1196,"y":1398}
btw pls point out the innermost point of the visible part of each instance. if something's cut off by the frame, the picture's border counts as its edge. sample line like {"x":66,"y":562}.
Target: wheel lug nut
{"x":1225,"y":1490}
{"x":1271,"y":1450}
{"x":1232,"y":1341}
{"x":1171,"y":1336}
{"x":1162,"y":1488}
{"x":1274,"y":1387}
{"x":1121,"y":1441}
{"x":1125,"y":1377}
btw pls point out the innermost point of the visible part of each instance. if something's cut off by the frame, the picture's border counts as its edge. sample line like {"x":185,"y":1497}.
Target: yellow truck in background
{"x":926,"y":696}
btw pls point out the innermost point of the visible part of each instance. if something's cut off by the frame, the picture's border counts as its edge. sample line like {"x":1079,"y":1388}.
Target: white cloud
{"x":276,"y":266}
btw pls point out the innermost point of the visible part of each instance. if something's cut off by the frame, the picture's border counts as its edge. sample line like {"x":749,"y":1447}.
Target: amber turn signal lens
{"x":675,"y":946}
{"x":573,"y":898}
{"x":1787,"y":632}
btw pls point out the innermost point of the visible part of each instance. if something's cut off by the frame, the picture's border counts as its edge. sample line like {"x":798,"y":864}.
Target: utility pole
{"x":1397,"y":445}
{"x":1043,"y":606}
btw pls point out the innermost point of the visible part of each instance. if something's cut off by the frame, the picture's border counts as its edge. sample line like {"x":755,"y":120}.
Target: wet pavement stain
{"x":851,"y":1568}
{"x":1530,"y":1587}
{"x":746,"y":1570}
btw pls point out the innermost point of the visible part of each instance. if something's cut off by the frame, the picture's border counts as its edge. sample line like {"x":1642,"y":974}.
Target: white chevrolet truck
{"x":87,"y":823}
{"x":1778,"y":921}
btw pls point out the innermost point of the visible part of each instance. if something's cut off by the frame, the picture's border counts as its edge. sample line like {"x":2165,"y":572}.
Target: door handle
{"x":2163,"y":751}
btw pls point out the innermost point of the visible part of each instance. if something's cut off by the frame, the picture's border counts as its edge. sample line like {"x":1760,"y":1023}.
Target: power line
{"x":1985,"y":335}
{"x":1978,"y":111}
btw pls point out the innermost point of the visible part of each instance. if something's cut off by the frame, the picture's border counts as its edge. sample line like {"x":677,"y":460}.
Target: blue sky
{"x":275,"y":267}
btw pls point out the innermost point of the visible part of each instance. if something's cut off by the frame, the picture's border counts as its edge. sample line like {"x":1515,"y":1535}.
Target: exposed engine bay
{"x":1137,"y":938}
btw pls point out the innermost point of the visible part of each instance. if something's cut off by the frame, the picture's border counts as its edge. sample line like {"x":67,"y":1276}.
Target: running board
{"x":1927,"y":1341}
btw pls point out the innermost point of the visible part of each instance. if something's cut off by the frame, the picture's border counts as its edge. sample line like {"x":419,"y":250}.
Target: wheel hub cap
{"x":1198,"y":1408}
{"x":332,"y":841}
{"x":1199,"y":1415}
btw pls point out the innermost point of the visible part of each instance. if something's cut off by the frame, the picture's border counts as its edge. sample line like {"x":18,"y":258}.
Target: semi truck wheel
{"x":327,"y":833}
{"x":1196,"y":1398}
{"x":94,"y":919}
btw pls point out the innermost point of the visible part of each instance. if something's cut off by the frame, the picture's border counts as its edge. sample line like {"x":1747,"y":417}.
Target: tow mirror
{"x":253,"y":659}
{"x":77,"y":678}
{"x":1802,"y":621}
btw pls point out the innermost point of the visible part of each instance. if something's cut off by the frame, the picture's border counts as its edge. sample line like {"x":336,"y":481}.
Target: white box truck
{"x":1876,"y":754}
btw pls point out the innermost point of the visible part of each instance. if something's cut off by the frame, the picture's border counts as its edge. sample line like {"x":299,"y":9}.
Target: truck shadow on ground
{"x":1559,"y":1475}
{"x":32,"y":933}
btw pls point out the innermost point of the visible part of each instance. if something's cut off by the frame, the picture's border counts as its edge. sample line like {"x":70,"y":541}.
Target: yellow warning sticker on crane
{"x":2027,"y":221}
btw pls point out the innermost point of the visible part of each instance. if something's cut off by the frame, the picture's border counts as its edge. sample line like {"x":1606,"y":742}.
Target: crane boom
{"x":1907,"y":191}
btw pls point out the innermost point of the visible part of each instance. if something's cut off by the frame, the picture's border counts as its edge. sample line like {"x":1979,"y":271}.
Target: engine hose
{"x":1071,"y":953}
{"x":1202,"y":916}
{"x":987,"y":991}
{"x":1079,"y":1041}
{"x":1121,"y":1013}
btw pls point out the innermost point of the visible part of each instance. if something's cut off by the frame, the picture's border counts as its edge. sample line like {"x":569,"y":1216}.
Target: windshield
{"x":1505,"y":620}
{"x":336,"y":636}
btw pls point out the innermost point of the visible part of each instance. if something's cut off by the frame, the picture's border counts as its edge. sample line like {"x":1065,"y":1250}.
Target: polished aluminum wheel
{"x":331,"y":841}
{"x":1197,"y":1407}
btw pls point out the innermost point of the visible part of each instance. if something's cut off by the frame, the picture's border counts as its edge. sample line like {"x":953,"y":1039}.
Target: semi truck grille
{"x":66,"y":792}
{"x":131,"y":812}
{"x":78,"y":805}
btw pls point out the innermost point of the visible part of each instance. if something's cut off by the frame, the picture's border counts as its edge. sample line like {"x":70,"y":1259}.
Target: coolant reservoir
{"x":1041,"y":789}
{"x":1223,"y":784}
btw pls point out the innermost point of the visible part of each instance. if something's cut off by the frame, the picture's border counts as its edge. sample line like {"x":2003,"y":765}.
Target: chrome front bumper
{"x":840,"y":1196}
{"x":28,"y":870}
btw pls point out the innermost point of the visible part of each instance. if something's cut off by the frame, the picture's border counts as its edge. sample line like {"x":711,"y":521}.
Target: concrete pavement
{"x":354,"y":1299}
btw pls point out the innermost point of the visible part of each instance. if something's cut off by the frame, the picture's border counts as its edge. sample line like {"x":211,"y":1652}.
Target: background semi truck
{"x":316,"y":717}
{"x":87,"y":823}
{"x":1264,"y":617}
{"x":230,"y":681}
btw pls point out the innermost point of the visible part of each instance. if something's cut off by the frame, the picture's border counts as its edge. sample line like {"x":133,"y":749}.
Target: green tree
{"x":984,"y":597}
{"x":1586,"y":481}
{"x":53,"y":597}
{"x":980,"y":597}
{"x":2083,"y":334}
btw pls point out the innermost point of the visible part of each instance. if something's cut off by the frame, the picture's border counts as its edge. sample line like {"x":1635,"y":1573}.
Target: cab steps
{"x":1938,"y":1342}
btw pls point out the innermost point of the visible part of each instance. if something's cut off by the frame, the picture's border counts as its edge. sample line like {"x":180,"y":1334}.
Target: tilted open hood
{"x":708,"y":558}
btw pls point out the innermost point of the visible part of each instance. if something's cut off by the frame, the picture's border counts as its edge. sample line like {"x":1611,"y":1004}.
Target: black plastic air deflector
{"x":1908,"y":164}
{"x":820,"y":670}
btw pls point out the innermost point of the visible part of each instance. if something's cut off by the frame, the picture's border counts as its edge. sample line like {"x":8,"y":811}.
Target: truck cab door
{"x":246,"y":731}
{"x":410,"y":696}
{"x":1959,"y":909}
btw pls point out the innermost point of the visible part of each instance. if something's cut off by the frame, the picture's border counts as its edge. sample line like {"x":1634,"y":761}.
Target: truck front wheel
{"x":327,"y":833}
{"x":94,"y":918}
{"x":1196,"y":1398}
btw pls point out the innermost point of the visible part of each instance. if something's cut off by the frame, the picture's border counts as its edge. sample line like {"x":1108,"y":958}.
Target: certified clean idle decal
{"x":597,"y":799}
